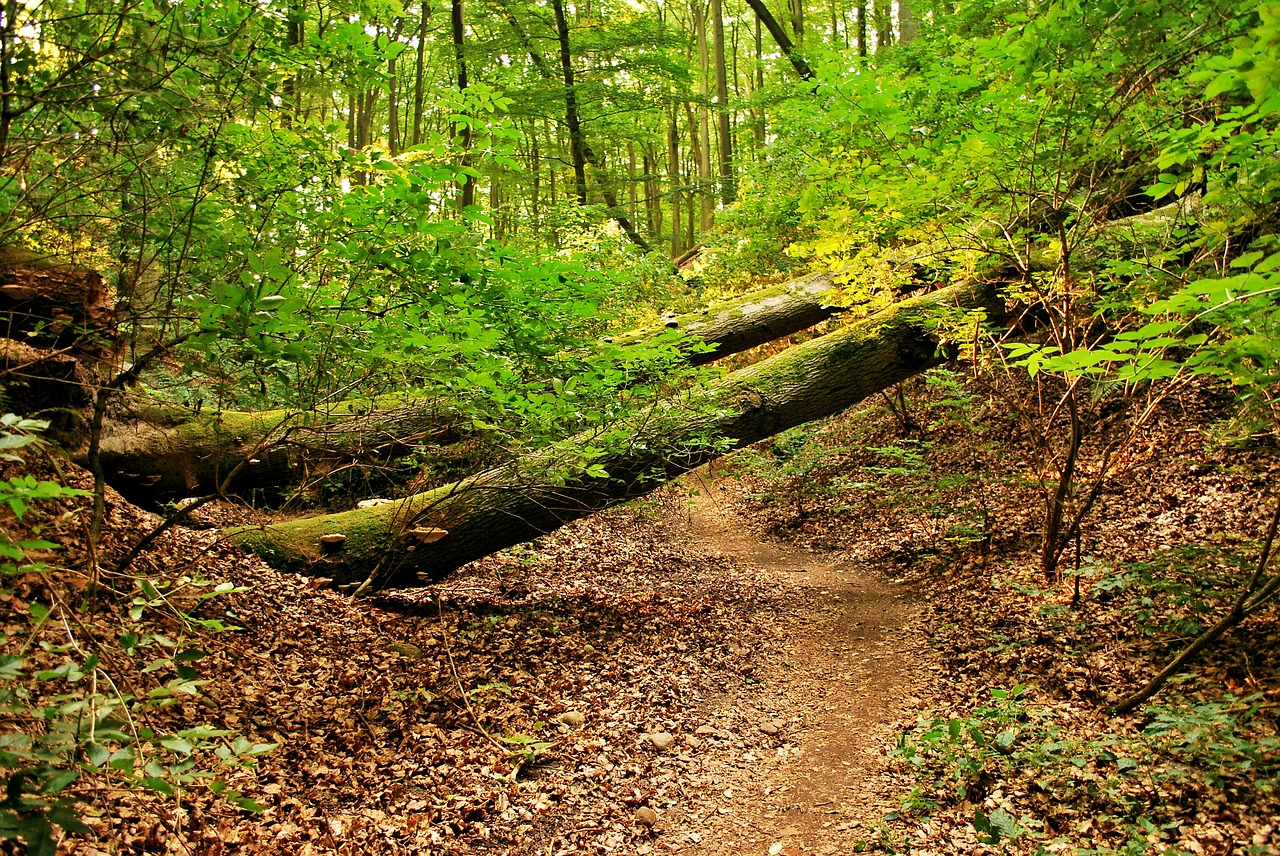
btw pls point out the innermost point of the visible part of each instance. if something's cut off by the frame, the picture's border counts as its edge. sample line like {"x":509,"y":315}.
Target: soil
{"x":850,"y":667}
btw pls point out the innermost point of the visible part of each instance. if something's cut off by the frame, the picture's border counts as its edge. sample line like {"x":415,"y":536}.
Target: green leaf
{"x":38,"y":833}
{"x":179,"y":745}
{"x":96,"y":754}
{"x":58,"y":781}
{"x":10,"y":667}
{"x":1003,"y":823}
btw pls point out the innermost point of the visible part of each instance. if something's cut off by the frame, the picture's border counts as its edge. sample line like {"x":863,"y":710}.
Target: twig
{"x":1250,"y":599}
{"x":462,"y":693}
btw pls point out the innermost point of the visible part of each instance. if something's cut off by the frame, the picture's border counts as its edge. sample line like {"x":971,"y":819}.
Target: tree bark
{"x":467,"y":185}
{"x":51,"y":302}
{"x":165,"y":452}
{"x":571,"y":119}
{"x":673,"y":174}
{"x":419,"y":70}
{"x":883,"y":13}
{"x":393,"y":96}
{"x":728,"y":188}
{"x":908,"y":26}
{"x":862,"y":29}
{"x":780,"y":36}
{"x":393,"y":545}
{"x":702,"y":135}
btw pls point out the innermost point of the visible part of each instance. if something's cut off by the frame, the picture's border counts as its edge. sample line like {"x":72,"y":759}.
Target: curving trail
{"x":845,"y":678}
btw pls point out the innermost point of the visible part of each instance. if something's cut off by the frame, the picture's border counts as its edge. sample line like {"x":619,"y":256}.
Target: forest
{"x":636,"y":426}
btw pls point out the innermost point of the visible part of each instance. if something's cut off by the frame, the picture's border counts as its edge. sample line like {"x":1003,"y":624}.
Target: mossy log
{"x":737,"y":325}
{"x":393,"y":545}
{"x":161,"y":452}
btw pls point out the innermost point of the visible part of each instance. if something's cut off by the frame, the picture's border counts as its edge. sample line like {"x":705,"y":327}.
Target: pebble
{"x":646,"y":816}
{"x":705,"y":731}
{"x":693,"y":742}
{"x":572,"y":718}
{"x":661,"y":740}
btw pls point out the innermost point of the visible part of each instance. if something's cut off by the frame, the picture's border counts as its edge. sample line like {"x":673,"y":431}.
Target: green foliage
{"x":66,"y":723}
{"x":1119,"y":782}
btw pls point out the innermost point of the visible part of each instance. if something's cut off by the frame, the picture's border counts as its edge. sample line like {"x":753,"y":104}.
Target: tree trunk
{"x":702,"y":136}
{"x":419,"y":70}
{"x":780,"y":36}
{"x":393,"y":96}
{"x":467,"y":185}
{"x":883,"y":12}
{"x":908,"y":26}
{"x":862,"y":30}
{"x":571,"y":119}
{"x":395,"y":545}
{"x":165,"y":452}
{"x":632,"y":194}
{"x":728,"y":189}
{"x":673,"y":174}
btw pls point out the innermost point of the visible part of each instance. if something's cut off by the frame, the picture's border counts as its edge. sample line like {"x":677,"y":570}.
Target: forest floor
{"x":657,"y":679}
{"x":814,"y":649}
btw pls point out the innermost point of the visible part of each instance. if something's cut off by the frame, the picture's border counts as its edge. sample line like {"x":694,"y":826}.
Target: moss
{"x":294,"y":545}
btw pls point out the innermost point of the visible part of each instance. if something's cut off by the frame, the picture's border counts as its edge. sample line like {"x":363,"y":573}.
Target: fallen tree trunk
{"x":171,"y":451}
{"x":395,"y":545}
{"x":754,"y":319}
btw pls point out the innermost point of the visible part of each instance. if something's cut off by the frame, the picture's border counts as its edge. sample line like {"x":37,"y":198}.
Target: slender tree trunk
{"x":351,"y":120}
{"x":495,"y":207}
{"x":467,"y":184}
{"x":862,"y":30}
{"x":580,"y":151}
{"x":8,"y":34}
{"x":780,"y":36}
{"x":883,"y":10}
{"x":702,"y":137}
{"x":690,"y":214}
{"x":797,"y":20}
{"x":632,"y":196}
{"x":535,"y":170}
{"x":759,"y":127}
{"x":419,"y":72}
{"x":393,"y":97}
{"x":652,"y":208}
{"x":673,"y":175}
{"x":572,"y":121}
{"x":293,"y":89}
{"x":728,"y":188}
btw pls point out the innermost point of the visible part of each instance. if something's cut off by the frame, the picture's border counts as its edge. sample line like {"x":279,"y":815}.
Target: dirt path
{"x":846,"y":674}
